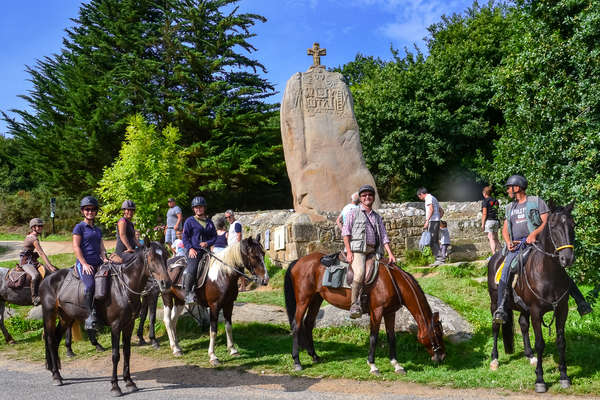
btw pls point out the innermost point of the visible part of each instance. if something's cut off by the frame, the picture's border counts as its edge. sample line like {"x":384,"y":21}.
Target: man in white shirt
{"x":235,"y":228}
{"x":341,"y":219}
{"x":432,"y":222}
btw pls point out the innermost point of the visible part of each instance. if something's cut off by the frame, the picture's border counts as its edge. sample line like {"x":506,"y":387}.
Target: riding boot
{"x":500,"y":315}
{"x":583,"y":307}
{"x":355,"y":309}
{"x":91,"y":322}
{"x":189,"y":287}
{"x":35,"y":285}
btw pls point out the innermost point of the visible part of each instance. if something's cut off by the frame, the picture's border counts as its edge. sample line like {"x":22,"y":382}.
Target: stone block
{"x":302,"y":233}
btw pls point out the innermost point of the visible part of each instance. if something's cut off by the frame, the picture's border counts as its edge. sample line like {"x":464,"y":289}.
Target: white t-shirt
{"x":233,"y":231}
{"x":178,"y":247}
{"x":429,"y":199}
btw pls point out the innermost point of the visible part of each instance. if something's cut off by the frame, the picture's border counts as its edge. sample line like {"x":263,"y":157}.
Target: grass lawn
{"x":266,"y":347}
{"x":58,"y":237}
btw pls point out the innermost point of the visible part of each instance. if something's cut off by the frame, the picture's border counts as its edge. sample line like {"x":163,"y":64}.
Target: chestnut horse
{"x":543,"y":285}
{"x":118,"y":310}
{"x":392,"y":289}
{"x":219,"y":291}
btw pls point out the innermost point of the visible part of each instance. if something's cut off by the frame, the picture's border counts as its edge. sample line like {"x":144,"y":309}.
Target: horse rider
{"x":526,"y":217}
{"x":364,"y":234}
{"x":32,"y":250}
{"x":90,"y":252}
{"x":199,"y":234}
{"x":126,"y":241}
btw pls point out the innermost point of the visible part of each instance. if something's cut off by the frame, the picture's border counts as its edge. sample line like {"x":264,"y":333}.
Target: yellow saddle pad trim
{"x":499,"y":273}
{"x":42,"y":270}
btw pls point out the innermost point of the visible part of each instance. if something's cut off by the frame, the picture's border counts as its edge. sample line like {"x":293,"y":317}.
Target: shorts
{"x":492,"y":226}
{"x":170,"y":235}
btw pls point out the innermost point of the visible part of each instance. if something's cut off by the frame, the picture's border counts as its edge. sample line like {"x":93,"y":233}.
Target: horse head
{"x":561,"y":226}
{"x":253,"y":255}
{"x":433,"y":338}
{"x":155,"y":258}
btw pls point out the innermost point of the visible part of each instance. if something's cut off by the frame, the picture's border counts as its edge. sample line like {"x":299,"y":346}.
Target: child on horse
{"x":364,"y":234}
{"x":90,"y":252}
{"x":29,"y":257}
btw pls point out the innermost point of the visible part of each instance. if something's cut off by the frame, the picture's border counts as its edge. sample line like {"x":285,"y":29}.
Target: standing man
{"x":174,"y":221}
{"x":364,"y":234}
{"x":489,"y":218}
{"x":235,"y":228}
{"x":432,"y":222}
{"x":341,"y":219}
{"x":199,"y":234}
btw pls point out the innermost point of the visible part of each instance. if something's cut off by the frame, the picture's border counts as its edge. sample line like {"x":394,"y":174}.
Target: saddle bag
{"x":16,"y":278}
{"x":102,"y":282}
{"x":335,"y":276}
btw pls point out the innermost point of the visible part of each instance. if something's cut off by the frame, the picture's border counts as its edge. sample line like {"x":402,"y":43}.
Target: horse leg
{"x":298,"y":332}
{"x":115,"y":336}
{"x":376,"y":315}
{"x":495,"y":332}
{"x":390,"y":329}
{"x":524,"y":323}
{"x":170,"y":317}
{"x":227,"y":312}
{"x":52,"y":357}
{"x":127,"y":332}
{"x":309,"y":325}
{"x":68,"y":341}
{"x":536,"y":320}
{"x":561,"y":344}
{"x":9,"y":339}
{"x":214,"y":320}
{"x":152,"y":304}
{"x":143,"y":313}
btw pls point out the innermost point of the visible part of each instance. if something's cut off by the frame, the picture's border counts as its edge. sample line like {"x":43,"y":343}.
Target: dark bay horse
{"x":22,"y":297}
{"x":219,"y":291}
{"x":148,"y":309}
{"x":118,"y":310}
{"x":543,"y":285}
{"x":392,"y":289}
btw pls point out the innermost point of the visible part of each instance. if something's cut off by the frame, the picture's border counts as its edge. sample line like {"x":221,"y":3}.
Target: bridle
{"x":146,"y":271}
{"x":557,"y":249}
{"x":254,"y":277}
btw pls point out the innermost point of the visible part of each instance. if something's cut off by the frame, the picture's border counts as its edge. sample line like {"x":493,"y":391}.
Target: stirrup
{"x":35,"y":300}
{"x":355,"y":311}
{"x":190,"y":297}
{"x":91,"y":323}
{"x":500,"y":316}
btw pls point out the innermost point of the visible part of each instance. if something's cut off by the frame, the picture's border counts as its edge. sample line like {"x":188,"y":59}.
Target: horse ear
{"x":436,"y":316}
{"x":551,"y":205}
{"x":257,"y":238}
{"x":570,"y":206}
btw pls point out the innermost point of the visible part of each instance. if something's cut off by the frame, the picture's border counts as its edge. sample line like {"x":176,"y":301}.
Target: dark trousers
{"x":434,"y":229}
{"x":87,"y":279}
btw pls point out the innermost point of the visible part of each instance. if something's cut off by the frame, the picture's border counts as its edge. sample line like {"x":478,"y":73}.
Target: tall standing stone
{"x":321,"y":140}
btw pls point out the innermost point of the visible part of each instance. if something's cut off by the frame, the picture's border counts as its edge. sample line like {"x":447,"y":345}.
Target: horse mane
{"x":411,"y":280}
{"x":232,"y":256}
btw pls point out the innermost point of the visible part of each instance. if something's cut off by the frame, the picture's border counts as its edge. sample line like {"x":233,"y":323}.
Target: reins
{"x":118,"y":272}
{"x":253,"y":278}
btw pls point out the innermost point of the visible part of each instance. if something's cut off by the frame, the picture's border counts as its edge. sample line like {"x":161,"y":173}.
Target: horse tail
{"x":76,"y":331}
{"x":508,"y":333}
{"x":290,"y":297}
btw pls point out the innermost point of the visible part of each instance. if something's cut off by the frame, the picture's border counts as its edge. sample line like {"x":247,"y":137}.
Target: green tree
{"x":149,"y":169}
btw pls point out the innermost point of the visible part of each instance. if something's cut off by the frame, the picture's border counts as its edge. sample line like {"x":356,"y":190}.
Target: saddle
{"x":176,"y":265}
{"x":338,"y":273}
{"x":101,"y":279}
{"x":17,"y":278}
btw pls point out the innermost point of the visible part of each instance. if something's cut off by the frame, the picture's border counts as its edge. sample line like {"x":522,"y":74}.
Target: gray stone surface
{"x":321,"y":142}
{"x":35,"y":313}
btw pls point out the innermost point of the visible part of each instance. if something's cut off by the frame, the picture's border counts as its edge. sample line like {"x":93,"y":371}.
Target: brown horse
{"x":543,"y":284}
{"x":392,"y":289}
{"x":219,"y":291}
{"x":118,"y":310}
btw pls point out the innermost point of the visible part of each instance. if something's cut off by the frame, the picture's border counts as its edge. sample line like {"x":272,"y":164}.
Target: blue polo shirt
{"x":91,"y":237}
{"x":194,"y":234}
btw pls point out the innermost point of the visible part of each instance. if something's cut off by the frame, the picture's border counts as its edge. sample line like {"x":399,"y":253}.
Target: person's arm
{"x":178,"y":223}
{"x":40,"y":251}
{"x":385,"y":239}
{"x":187,"y":239}
{"x":103,"y":254}
{"x":483,"y":217}
{"x":211,"y":233}
{"x":338,"y":221}
{"x":238,"y":232}
{"x":349,"y":254}
{"x":532,"y":237}
{"x":428,"y":214}
{"x":122,"y":228}
{"x":87,"y":269}
{"x":391,"y":257}
{"x":506,"y":236}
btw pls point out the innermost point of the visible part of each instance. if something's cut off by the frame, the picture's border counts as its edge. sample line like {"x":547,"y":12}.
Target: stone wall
{"x":292,"y":235}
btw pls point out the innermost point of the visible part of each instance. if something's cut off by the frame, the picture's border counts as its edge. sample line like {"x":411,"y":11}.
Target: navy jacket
{"x":194,"y":234}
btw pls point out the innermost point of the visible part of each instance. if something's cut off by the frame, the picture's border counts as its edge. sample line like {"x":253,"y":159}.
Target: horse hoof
{"x":541,"y":388}
{"x":494,"y":365}
{"x":297,"y":367}
{"x":533,"y":361}
{"x":565,"y":383}
{"x":399,"y":370}
{"x":375,"y":372}
{"x":142,"y":342}
{"x":234,"y":354}
{"x":57,"y":382}
{"x":155,"y":344}
{"x":131,"y":387}
{"x":215,"y":362}
{"x":11,"y":341}
{"x":316,"y":359}
{"x":178,"y":353}
{"x":70,"y":353}
{"x":116,"y":392}
{"x":99,"y":348}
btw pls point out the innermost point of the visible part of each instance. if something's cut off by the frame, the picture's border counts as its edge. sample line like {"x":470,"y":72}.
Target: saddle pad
{"x":338,"y":273}
{"x":71,"y":290}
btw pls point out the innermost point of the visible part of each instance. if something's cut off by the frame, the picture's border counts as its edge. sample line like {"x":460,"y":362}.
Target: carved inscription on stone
{"x":321,"y":93}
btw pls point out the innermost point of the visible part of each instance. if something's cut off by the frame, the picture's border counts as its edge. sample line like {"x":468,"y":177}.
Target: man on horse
{"x":526,"y":217}
{"x":364,"y":234}
{"x":199,"y":233}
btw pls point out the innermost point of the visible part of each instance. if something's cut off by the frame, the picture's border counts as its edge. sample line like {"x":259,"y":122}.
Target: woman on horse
{"x":199,"y":233}
{"x":90,"y":252}
{"x":32,"y":250}
{"x":126,"y":241}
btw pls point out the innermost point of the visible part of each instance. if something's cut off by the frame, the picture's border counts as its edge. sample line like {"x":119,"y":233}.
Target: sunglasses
{"x":367,"y":195}
{"x":90,"y":209}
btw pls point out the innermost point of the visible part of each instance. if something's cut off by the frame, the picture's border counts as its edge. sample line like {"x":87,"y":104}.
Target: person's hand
{"x":512,"y":246}
{"x":426,"y":225}
{"x":203,"y":244}
{"x":51,"y":268}
{"x":391,"y":258}
{"x":130,"y":251}
{"x":349,"y":256}
{"x":87,"y":269}
{"x":483,"y":227}
{"x":531,"y":238}
{"x":192,"y":253}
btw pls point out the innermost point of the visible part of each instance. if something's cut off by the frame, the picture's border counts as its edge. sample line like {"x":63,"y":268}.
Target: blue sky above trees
{"x":34,"y":29}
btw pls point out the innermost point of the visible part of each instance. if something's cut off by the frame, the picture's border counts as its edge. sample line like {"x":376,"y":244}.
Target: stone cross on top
{"x":316,"y":52}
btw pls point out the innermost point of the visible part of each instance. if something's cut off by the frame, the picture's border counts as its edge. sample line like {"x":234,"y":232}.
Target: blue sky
{"x":32,"y":29}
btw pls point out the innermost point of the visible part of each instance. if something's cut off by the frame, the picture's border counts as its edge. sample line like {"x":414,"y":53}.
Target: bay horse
{"x":118,"y":310}
{"x":543,"y":285}
{"x":148,"y":309}
{"x":22,"y":297}
{"x":392,"y":289}
{"x":219,"y":291}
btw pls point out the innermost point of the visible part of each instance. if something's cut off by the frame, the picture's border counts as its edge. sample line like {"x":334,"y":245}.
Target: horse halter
{"x":557,"y":249}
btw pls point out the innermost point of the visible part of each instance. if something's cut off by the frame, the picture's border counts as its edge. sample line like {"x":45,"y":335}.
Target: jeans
{"x":87,"y":279}
{"x":170,"y":235}
{"x":434,"y":229}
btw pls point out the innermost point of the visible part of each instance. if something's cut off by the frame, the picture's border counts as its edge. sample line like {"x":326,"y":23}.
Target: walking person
{"x":489,"y":218}
{"x":126,"y":237}
{"x":354,"y":201}
{"x":28,"y":258}
{"x":90,"y":252}
{"x":174,"y":221}
{"x":364,"y":234}
{"x":432,"y":222}
{"x":444,"y":240}
{"x":199,"y":234}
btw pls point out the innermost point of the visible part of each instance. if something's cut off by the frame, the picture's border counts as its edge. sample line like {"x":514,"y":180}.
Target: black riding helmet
{"x":366,"y":188}
{"x":198,"y":201}
{"x":89,"y":201}
{"x":517,"y":180}
{"x":128,"y":205}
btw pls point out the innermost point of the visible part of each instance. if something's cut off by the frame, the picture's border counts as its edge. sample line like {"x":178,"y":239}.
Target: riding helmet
{"x":36,"y":222}
{"x":128,"y":205}
{"x":89,"y":201}
{"x":366,"y":188}
{"x":198,"y":201}
{"x":517,"y":180}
